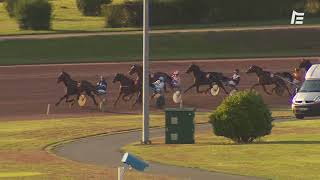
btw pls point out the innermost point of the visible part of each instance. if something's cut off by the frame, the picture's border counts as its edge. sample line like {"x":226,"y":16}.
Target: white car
{"x":307,"y":101}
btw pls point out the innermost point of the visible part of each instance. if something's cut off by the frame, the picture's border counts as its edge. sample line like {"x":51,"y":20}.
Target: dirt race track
{"x":27,"y":90}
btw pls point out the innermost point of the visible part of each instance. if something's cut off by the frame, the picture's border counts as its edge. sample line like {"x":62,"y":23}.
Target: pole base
{"x":146,"y":142}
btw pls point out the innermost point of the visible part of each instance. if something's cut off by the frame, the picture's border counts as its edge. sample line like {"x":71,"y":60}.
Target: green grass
{"x":291,"y":152}
{"x":23,"y":144}
{"x":67,"y":19}
{"x":19,"y":174}
{"x":202,"y":45}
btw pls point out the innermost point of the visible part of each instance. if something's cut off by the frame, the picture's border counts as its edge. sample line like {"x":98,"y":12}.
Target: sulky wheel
{"x":82,"y":100}
{"x":177,"y":98}
{"x":215,"y":90}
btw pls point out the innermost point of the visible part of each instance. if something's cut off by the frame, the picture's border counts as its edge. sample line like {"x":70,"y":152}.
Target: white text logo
{"x":297,"y":18}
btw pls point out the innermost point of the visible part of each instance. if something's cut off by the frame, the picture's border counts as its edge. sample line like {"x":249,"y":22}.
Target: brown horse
{"x":128,"y":88}
{"x":205,"y":78}
{"x":305,"y":64}
{"x":267,"y":78}
{"x":153,"y":77}
{"x":75,"y":88}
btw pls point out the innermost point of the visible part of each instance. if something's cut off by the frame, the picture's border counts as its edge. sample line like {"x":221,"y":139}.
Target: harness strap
{"x":286,"y":80}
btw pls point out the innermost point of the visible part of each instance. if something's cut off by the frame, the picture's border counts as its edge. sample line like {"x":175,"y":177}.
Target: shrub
{"x":120,"y":15}
{"x":206,"y":11}
{"x":9,"y":6}
{"x":33,"y":14}
{"x":242,"y":117}
{"x":91,"y":7}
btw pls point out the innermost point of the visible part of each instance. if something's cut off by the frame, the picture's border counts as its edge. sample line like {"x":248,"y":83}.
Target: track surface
{"x":27,"y":90}
{"x":104,"y":151}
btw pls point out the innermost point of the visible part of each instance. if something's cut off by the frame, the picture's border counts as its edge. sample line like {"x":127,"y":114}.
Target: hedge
{"x":91,"y":7}
{"x":33,"y":14}
{"x":201,"y":11}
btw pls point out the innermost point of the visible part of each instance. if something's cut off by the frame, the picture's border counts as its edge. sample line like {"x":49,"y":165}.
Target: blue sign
{"x":134,"y":162}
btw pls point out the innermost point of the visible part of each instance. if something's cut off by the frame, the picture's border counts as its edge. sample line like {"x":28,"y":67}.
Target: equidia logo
{"x":297,"y":18}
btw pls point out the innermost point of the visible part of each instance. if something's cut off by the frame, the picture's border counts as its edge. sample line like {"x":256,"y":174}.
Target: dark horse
{"x":128,"y":88}
{"x":267,"y":78}
{"x":75,"y":88}
{"x":205,"y":78}
{"x":153,"y":77}
{"x":305,"y":64}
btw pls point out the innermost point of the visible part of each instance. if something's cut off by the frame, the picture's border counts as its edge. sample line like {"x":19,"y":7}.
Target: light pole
{"x":145,"y":96}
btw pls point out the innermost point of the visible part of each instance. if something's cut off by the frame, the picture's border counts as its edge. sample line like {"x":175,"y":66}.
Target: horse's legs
{"x":126,"y":95}
{"x":138,"y":100}
{"x":284,"y":85}
{"x":198,"y":89}
{"x":254,"y":86}
{"x":220,"y":84}
{"x":63,"y":97}
{"x":192,"y":86}
{"x":265,"y":89}
{"x":165,"y":88}
{"x":78,"y":96}
{"x":206,"y":90}
{"x":92,"y":97}
{"x":115,"y":103}
{"x":288,"y":90}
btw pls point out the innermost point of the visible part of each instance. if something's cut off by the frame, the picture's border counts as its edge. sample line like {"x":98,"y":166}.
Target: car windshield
{"x":310,"y":86}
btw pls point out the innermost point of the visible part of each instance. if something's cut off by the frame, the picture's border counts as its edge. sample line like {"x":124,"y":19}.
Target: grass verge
{"x":201,"y":45}
{"x":24,"y":146}
{"x":23,"y":143}
{"x":291,"y":152}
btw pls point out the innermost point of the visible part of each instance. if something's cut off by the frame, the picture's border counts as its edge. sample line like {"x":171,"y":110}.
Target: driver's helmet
{"x":176,"y":73}
{"x":101,"y":78}
{"x":161,"y":78}
{"x":296,"y":69}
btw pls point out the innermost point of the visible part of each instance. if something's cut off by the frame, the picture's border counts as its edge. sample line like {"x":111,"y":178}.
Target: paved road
{"x":217,"y":29}
{"x":105,"y":151}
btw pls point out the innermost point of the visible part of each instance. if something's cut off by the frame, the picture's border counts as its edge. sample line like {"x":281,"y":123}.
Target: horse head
{"x":193,"y":68}
{"x":254,"y":69}
{"x":116,"y":78}
{"x":135,"y":69}
{"x":63,"y":76}
{"x":305,"y":64}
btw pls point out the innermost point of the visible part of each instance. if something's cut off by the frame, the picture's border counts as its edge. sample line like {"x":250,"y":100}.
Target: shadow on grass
{"x":258,"y":143}
{"x":289,"y":142}
{"x":237,"y":144}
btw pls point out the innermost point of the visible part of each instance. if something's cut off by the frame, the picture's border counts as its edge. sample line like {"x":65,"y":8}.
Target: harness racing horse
{"x":75,"y":88}
{"x":128,"y":88}
{"x":305,"y":64}
{"x":153,"y":77}
{"x":267,"y":78}
{"x":205,"y":78}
